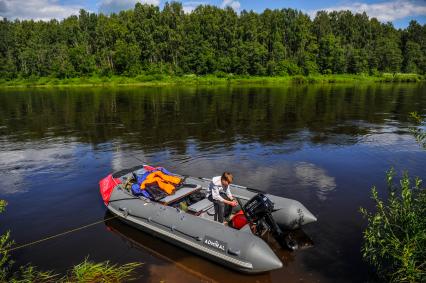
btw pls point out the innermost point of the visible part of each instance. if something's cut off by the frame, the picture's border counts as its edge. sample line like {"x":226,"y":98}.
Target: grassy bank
{"x":160,"y":79}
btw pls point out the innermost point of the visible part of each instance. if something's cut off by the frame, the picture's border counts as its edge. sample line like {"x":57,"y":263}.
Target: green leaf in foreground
{"x":395,"y":238}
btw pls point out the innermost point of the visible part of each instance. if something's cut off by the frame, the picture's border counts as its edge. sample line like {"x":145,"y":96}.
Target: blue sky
{"x":399,"y":12}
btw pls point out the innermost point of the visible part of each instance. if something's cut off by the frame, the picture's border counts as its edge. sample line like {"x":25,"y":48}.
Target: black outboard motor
{"x":258,"y":210}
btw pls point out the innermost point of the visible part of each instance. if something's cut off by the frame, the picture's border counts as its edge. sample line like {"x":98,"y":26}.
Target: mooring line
{"x":58,"y":235}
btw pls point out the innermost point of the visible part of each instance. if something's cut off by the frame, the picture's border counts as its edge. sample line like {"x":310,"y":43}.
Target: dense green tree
{"x":126,"y":57}
{"x":61,"y":64}
{"x":331,"y":55}
{"x":82,"y":59}
{"x":388,"y":55}
{"x":413,"y":58}
{"x":209,"y":40}
{"x":357,"y":62}
{"x":414,"y":48}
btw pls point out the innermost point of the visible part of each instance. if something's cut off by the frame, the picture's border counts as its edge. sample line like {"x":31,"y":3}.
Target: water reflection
{"x":22,"y":159}
{"x":313,"y":176}
{"x":322,"y":145}
{"x":168,"y":117}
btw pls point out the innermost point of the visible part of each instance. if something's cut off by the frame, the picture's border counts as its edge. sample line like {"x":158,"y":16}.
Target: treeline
{"x":210,"y":40}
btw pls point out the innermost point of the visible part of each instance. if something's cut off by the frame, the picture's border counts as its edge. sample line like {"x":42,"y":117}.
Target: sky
{"x":399,"y":12}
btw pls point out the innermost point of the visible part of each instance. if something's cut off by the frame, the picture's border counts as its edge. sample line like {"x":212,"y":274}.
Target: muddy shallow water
{"x":325,"y":146}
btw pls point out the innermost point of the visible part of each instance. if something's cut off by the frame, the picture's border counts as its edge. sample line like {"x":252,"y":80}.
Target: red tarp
{"x":106,"y":186}
{"x":239,"y":220}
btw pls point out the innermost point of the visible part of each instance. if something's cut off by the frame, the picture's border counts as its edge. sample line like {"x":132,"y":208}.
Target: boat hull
{"x":236,"y":249}
{"x":240,"y":250}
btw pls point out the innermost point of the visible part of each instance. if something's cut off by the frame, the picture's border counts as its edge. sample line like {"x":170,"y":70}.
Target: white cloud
{"x":36,"y":9}
{"x":114,"y":6}
{"x":189,"y":6}
{"x":312,"y":175}
{"x":231,"y":3}
{"x":383,"y":11}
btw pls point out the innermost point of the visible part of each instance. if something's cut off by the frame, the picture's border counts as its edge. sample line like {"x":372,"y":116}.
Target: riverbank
{"x":160,"y":79}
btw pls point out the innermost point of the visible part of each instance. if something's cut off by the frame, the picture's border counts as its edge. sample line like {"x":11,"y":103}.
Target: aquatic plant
{"x":5,"y":244}
{"x":26,"y":274}
{"x":29,"y":274}
{"x":418,"y":132}
{"x":395,"y":238}
{"x":3,"y":205}
{"x":86,"y":271}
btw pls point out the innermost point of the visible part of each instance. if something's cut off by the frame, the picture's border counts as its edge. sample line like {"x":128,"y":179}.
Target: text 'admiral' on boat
{"x":185,"y":217}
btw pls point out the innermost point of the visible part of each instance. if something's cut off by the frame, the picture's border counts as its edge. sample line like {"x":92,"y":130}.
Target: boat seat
{"x":181,"y":193}
{"x":200,"y":206}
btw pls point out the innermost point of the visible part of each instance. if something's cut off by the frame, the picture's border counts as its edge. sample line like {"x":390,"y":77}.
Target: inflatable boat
{"x":192,"y":226}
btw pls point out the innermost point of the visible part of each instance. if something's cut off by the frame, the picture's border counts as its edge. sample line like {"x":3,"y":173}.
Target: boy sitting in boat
{"x":220,"y":194}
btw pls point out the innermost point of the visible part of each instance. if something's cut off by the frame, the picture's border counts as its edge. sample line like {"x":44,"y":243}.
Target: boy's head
{"x":226,"y":179}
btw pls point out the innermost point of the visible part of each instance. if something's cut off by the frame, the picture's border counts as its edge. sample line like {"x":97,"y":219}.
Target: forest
{"x":209,"y":40}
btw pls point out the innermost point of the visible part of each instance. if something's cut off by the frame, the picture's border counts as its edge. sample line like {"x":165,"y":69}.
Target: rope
{"x":58,"y":235}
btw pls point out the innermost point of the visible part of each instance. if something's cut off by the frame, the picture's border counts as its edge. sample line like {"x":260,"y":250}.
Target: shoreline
{"x":166,"y":80}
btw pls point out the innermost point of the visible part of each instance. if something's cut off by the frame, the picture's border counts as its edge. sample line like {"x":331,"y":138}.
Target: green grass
{"x":159,"y":79}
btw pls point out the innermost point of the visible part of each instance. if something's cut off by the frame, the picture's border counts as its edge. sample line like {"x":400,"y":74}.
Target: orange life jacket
{"x":165,"y":182}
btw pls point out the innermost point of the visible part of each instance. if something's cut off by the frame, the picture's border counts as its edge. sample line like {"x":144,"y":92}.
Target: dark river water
{"x":325,"y":146}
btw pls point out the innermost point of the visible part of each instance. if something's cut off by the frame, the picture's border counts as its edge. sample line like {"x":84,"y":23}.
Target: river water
{"x":323,"y":145}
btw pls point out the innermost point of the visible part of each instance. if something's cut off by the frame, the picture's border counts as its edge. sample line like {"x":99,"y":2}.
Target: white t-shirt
{"x":215,"y":187}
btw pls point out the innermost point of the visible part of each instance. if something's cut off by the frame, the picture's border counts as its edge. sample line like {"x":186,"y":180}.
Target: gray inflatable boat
{"x":193,"y":227}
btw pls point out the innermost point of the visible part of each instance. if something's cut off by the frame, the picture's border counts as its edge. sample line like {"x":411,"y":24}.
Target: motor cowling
{"x":258,"y":210}
{"x":258,"y":207}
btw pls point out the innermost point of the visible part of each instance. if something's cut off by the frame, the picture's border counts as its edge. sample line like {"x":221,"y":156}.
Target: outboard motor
{"x":258,"y":210}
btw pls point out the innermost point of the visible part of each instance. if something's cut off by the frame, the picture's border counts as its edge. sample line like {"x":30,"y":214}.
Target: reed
{"x":30,"y":274}
{"x":85,"y":272}
{"x":88,"y":272}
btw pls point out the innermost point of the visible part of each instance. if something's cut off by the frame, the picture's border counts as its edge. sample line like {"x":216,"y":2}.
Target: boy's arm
{"x":229,"y":194}
{"x":216,"y":194}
